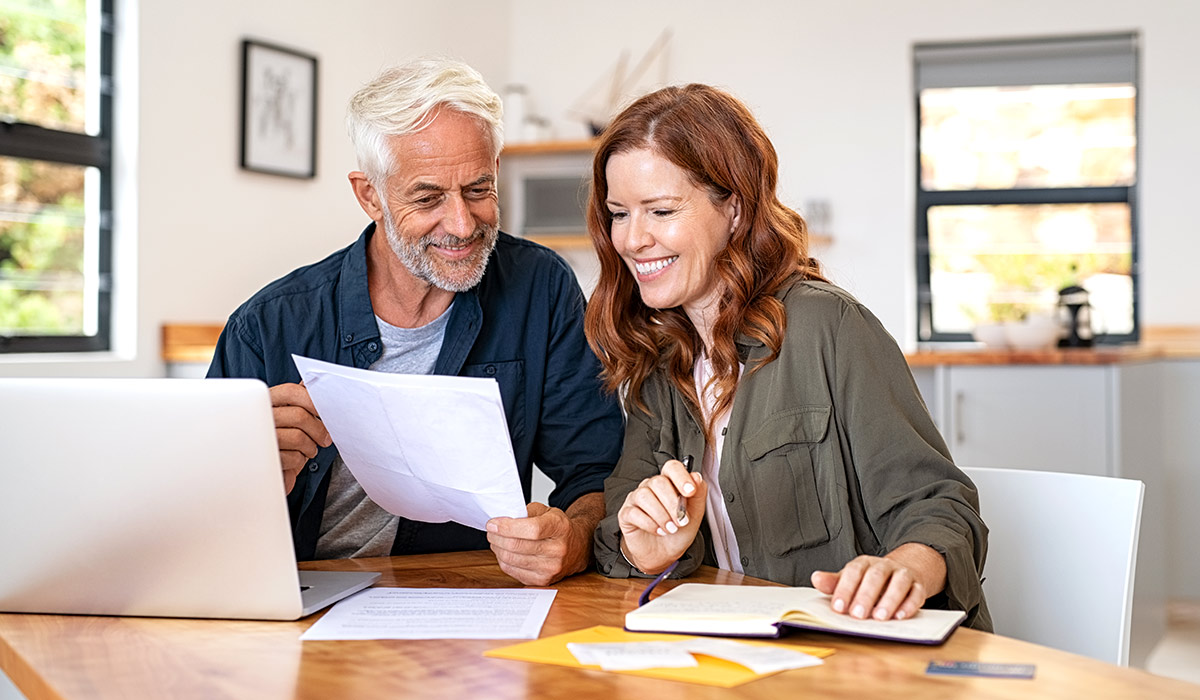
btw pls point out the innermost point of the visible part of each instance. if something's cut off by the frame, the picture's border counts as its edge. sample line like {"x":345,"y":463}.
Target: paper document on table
{"x":716,"y":664}
{"x":426,"y":447}
{"x":436,"y":613}
{"x":630,"y":656}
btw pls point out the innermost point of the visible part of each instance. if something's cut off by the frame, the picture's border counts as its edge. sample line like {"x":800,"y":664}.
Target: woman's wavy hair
{"x":713,"y":137}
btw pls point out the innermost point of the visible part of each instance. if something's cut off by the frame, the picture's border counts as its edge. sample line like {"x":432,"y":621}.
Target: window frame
{"x":33,"y":142}
{"x":925,"y":199}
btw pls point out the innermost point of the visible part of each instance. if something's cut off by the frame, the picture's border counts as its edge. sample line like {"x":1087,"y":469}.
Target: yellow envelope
{"x":709,"y":671}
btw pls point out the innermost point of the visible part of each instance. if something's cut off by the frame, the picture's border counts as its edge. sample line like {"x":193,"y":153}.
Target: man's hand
{"x":298,"y":430}
{"x":549,"y":544}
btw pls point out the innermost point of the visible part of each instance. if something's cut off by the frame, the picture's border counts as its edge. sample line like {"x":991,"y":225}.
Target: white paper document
{"x":426,"y":447}
{"x":633,"y":656}
{"x":759,"y":658}
{"x":436,"y":613}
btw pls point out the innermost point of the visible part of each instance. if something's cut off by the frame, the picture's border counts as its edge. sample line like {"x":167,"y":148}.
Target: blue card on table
{"x":982,"y":670}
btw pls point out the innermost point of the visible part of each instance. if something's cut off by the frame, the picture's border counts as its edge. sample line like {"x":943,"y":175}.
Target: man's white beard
{"x":421,"y":263}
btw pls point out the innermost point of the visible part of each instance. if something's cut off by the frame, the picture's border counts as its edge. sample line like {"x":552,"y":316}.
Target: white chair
{"x":1061,"y":556}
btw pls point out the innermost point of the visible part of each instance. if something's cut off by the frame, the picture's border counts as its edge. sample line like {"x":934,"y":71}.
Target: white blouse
{"x":720,"y":529}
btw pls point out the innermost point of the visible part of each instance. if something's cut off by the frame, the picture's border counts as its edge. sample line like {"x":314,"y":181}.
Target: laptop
{"x":149,"y":497}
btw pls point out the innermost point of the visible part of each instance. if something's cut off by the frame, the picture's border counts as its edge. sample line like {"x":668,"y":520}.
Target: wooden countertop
{"x":1158,"y":343}
{"x":1056,"y":356}
{"x":194,"y":342}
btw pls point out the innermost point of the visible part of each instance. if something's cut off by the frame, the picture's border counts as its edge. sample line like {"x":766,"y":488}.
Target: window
{"x":1027,"y":182}
{"x":55,"y":175}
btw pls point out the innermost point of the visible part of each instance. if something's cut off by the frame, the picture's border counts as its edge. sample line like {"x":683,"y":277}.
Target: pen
{"x":681,"y":512}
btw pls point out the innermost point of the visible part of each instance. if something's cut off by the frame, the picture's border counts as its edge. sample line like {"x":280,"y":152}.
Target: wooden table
{"x":59,"y":656}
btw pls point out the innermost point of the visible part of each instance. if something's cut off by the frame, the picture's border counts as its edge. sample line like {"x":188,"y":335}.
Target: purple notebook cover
{"x":782,"y":627}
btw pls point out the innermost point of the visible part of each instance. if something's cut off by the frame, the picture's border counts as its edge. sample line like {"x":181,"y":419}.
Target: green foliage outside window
{"x":43,"y":81}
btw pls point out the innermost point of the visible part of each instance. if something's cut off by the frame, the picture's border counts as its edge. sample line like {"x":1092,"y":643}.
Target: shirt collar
{"x":752,"y":348}
{"x":354,"y":296}
{"x":358,"y":316}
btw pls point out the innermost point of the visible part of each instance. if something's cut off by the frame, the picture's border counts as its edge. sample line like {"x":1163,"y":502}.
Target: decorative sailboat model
{"x":599,"y":104}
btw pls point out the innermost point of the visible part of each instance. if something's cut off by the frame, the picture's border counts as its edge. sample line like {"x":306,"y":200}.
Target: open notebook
{"x":766,"y":611}
{"x":155,"y":497}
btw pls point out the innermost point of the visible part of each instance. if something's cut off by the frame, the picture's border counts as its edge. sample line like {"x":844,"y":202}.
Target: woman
{"x":814,"y":460}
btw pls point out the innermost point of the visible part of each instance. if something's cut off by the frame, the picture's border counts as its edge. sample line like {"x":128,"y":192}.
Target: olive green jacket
{"x":830,"y":453}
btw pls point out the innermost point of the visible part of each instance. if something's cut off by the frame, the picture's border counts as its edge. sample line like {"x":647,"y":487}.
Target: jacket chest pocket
{"x":510,"y":375}
{"x":791,"y":505}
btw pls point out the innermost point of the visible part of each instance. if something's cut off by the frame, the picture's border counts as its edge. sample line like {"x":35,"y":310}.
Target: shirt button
{"x":349,"y":337}
{"x":745,"y":561}
{"x":313,"y":466}
{"x":730,"y":497}
{"x":372,"y":346}
{"x":490,"y":370}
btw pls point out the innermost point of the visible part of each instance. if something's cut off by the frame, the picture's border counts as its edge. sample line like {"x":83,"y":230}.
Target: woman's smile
{"x":648,"y":268}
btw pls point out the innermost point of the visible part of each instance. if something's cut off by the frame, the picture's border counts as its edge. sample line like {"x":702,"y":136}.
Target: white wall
{"x":201,"y":235}
{"x":830,"y":81}
{"x":832,"y":84}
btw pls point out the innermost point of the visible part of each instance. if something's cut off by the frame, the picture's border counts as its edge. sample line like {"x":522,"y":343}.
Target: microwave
{"x":545,"y":195}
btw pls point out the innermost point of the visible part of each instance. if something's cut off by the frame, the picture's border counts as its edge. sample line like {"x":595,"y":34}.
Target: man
{"x":432,"y":286}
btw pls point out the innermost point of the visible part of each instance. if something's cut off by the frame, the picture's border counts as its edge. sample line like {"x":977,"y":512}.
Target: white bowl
{"x":1031,"y":336}
{"x":992,"y":335}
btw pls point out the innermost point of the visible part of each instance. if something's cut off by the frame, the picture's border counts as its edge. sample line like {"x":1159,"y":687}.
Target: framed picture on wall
{"x":279,"y":110}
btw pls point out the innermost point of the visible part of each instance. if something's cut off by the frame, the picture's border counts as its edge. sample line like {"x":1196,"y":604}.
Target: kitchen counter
{"x":1159,"y":342}
{"x":193,"y":343}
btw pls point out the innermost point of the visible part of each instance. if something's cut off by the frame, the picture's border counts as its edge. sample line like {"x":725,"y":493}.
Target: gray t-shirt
{"x":352,"y":525}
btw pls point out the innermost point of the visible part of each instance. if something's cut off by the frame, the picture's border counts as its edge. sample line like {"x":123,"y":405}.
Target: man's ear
{"x":367,"y":195}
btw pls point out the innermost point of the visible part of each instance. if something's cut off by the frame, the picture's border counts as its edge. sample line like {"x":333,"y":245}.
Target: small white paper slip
{"x":426,"y":447}
{"x":632,"y":656}
{"x":436,"y":613}
{"x":756,"y":657}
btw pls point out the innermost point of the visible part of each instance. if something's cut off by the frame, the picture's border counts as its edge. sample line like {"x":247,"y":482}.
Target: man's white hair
{"x":404,"y":100}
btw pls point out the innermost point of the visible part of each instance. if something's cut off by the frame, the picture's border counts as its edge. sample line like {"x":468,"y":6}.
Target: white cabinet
{"x":1180,"y":400}
{"x":1085,"y":419}
{"x":1051,"y":418}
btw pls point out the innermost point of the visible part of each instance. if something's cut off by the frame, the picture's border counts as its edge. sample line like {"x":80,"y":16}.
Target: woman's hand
{"x":660,"y":518}
{"x":895,"y":585}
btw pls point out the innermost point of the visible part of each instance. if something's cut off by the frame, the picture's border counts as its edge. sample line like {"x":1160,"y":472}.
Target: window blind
{"x":1054,"y":61}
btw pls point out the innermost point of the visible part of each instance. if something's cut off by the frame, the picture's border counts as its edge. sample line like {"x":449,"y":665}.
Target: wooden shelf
{"x":189,"y":342}
{"x":575,"y":242}
{"x":564,"y":242}
{"x":547,"y":147}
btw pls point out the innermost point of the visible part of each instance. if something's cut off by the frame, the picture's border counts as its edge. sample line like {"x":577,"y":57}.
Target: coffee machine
{"x":1075,"y":316}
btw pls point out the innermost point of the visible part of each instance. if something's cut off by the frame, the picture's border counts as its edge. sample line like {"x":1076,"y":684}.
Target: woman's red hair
{"x":714,"y":138}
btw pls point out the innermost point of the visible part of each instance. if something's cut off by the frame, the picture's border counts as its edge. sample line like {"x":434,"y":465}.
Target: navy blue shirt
{"x":522,"y":325}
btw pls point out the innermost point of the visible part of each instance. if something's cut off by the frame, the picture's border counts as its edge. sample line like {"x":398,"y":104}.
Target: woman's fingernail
{"x":683,"y":520}
{"x":859,"y":611}
{"x":900,"y":615}
{"x":689,"y":489}
{"x":839,"y":605}
{"x":661,"y":533}
{"x":880,"y":614}
{"x":671,"y":528}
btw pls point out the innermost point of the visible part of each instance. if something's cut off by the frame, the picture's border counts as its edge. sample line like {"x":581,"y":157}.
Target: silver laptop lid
{"x":159,"y":497}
